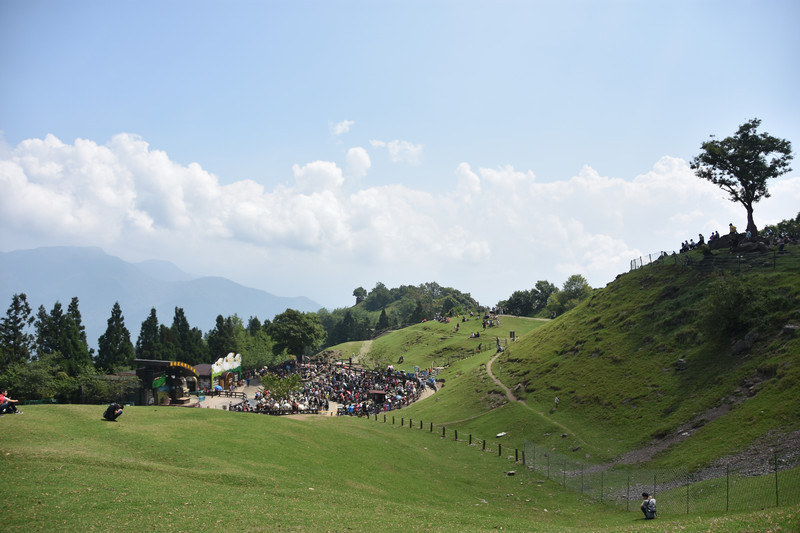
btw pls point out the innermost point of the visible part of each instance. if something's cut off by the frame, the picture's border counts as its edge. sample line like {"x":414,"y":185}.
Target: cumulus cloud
{"x":342,"y":127}
{"x":400,"y":150}
{"x":318,"y":175}
{"x":495,"y":230}
{"x":358,"y":162}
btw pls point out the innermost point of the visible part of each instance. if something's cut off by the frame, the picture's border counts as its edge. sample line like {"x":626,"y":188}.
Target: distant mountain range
{"x":47,"y":275}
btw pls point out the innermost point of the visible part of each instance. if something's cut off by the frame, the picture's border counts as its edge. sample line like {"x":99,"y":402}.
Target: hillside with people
{"x":679,"y":379}
{"x":692,"y":358}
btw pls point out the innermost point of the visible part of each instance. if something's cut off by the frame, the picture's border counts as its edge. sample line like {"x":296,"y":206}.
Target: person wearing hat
{"x":113,"y":412}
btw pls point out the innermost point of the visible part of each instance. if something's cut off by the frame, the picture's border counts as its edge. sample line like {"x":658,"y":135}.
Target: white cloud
{"x":400,"y":150}
{"x":318,"y":175}
{"x":495,"y":231}
{"x":358,"y":162}
{"x":342,"y":127}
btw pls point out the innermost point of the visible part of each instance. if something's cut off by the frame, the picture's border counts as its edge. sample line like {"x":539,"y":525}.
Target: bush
{"x":731,"y":306}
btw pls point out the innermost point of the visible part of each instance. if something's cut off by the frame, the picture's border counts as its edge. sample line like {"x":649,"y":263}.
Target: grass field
{"x":642,"y":362}
{"x":174,"y":469}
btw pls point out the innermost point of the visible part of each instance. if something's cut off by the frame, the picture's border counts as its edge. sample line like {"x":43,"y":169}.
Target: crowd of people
{"x":358,"y":392}
{"x":735,"y":239}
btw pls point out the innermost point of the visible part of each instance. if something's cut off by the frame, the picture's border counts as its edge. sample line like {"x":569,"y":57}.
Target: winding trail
{"x":512,"y":398}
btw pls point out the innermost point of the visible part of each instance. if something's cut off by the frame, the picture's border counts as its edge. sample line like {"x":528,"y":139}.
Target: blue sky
{"x":308,"y":148}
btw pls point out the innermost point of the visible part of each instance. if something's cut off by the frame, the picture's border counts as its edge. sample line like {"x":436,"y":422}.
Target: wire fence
{"x":740,"y":262}
{"x":757,"y":484}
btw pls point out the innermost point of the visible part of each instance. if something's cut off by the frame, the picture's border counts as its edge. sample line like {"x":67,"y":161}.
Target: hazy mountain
{"x":47,"y":275}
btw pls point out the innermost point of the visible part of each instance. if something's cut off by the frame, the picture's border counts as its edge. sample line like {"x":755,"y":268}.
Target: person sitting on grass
{"x":113,"y":411}
{"x":7,"y":405}
{"x":648,"y":506}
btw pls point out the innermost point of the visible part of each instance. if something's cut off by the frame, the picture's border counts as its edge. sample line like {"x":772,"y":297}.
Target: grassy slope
{"x":172,"y":469}
{"x":611,"y":361}
{"x":613,"y":364}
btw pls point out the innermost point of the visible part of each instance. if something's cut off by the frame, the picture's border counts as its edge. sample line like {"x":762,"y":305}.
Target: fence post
{"x":420,"y":424}
{"x":392,"y":419}
{"x":523,"y":456}
{"x":402,"y":421}
{"x":431,"y":427}
{"x":470,"y":439}
{"x":484,"y":444}
{"x":727,"y":487}
{"x":456,"y":435}
{"x":776,"y":479}
{"x":516,"y":455}
{"x":443,"y":428}
{"x":499,"y":449}
{"x":688,"y":486}
{"x":628,"y":497}
{"x":601,"y":486}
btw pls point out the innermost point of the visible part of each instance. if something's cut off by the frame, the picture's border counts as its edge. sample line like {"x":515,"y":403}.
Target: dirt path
{"x":512,"y":398}
{"x":365,"y":348}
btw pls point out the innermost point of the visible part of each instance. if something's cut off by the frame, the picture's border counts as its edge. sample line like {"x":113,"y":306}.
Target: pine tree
{"x":63,"y":334}
{"x":115,"y":349}
{"x":383,"y":322}
{"x":221,"y":340}
{"x":187,"y":341}
{"x":16,"y":344}
{"x":148,"y":345}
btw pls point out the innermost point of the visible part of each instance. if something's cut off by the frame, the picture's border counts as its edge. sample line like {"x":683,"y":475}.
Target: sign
{"x":230,"y":363}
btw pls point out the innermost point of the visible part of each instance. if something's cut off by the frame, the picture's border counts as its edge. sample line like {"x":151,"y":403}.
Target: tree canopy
{"x":741,"y":165}
{"x":296,"y":332}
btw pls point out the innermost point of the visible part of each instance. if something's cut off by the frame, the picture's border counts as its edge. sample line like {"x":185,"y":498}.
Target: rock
{"x":790,"y":330}
{"x":741,"y":346}
{"x":681,"y":364}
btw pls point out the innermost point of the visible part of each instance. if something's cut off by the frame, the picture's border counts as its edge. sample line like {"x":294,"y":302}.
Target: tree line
{"x":547,"y":300}
{"x":47,"y":354}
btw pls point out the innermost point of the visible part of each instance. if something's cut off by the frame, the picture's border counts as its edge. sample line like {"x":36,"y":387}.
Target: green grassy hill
{"x":671,"y":365}
{"x":704,"y":360}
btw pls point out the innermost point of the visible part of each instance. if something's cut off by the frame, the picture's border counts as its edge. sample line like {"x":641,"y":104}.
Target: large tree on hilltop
{"x":741,"y":165}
